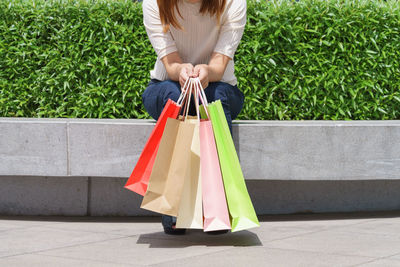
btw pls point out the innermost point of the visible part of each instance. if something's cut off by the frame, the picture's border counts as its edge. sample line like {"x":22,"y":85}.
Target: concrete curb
{"x":84,"y":162}
{"x":268,"y":150}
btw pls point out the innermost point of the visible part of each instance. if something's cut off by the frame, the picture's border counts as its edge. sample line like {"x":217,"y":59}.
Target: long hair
{"x":167,"y":14}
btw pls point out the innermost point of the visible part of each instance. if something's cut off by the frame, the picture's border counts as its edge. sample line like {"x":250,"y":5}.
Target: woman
{"x":193,"y":38}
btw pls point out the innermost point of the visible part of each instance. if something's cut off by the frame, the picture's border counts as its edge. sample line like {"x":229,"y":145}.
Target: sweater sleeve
{"x":233,"y":22}
{"x":163,"y":43}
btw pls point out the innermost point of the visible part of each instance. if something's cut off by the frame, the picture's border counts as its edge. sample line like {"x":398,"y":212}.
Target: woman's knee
{"x":157,"y":94}
{"x":162,"y":90}
{"x":217,"y":91}
{"x":231,"y":97}
{"x":171,"y":90}
{"x":224,"y":92}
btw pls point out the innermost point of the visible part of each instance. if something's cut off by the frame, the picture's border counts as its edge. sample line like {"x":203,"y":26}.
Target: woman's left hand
{"x":201,"y":71}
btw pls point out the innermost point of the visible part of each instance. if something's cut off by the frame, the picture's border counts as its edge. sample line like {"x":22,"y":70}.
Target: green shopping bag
{"x":241,"y":210}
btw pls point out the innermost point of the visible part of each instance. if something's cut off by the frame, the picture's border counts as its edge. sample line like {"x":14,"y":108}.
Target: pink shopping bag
{"x":215,"y":208}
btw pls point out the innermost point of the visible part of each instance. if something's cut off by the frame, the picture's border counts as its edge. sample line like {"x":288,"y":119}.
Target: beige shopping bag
{"x":190,"y":213}
{"x":171,"y":165}
{"x":170,"y":168}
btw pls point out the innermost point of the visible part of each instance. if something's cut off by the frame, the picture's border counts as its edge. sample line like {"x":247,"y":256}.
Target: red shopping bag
{"x":139,"y":178}
{"x":140,"y":175}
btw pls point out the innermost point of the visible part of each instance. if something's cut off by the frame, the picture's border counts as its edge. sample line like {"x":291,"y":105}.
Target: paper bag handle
{"x":183,"y":93}
{"x":202,"y":96}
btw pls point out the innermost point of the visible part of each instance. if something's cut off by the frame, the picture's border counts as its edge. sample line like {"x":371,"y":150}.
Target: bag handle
{"x":196,"y":98}
{"x":202,"y":92}
{"x":193,"y":89}
{"x":188,"y":98}
{"x":183,"y":93}
{"x":184,"y":99}
{"x":193,"y":85}
{"x":201,"y":96}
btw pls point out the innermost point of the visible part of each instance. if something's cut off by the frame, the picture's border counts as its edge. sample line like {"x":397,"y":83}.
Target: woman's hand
{"x":185,"y":72}
{"x":176,"y":69}
{"x":201,"y":71}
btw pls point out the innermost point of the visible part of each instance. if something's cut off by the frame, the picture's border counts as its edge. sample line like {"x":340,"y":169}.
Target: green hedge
{"x":297,"y":60}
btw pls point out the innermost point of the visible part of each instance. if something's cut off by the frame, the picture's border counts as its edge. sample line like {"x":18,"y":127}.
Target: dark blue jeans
{"x":158,"y":92}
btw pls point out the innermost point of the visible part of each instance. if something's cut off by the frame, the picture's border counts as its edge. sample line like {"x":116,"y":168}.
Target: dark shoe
{"x":218,"y":232}
{"x":169,"y":222}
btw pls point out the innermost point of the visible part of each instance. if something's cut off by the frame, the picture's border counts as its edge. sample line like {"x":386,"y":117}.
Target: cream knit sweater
{"x":201,"y":35}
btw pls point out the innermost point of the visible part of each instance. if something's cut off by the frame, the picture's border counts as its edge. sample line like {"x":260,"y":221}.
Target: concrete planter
{"x":78,"y":166}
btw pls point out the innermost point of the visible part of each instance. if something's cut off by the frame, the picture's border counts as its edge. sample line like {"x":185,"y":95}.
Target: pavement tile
{"x":267,"y":233}
{"x":147,"y":248}
{"x":382,"y":263}
{"x":20,"y":222}
{"x":275,"y":230}
{"x":276,"y":227}
{"x":256,"y":256}
{"x":395,"y":257}
{"x":20,"y":241}
{"x":287,"y":240}
{"x":7,"y":227}
{"x":115,"y":228}
{"x":344,"y":243}
{"x":124,"y":226}
{"x":51,"y":261}
{"x":317,"y":223}
{"x":381,"y":227}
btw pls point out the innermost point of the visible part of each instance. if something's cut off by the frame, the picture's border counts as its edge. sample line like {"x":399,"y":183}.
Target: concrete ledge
{"x":105,"y":196}
{"x":108,"y":197}
{"x":330,"y":150}
{"x":79,"y":166}
{"x":33,"y":147}
{"x":34,"y":195}
{"x":268,"y":150}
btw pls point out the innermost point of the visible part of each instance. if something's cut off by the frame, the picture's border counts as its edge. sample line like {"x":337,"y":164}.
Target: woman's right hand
{"x":185,"y":72}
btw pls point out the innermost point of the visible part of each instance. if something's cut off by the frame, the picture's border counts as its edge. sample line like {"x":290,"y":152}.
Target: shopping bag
{"x":240,"y":207}
{"x":140,"y":175}
{"x":190,"y":213}
{"x":139,"y":178}
{"x":216,"y":215}
{"x":170,"y":168}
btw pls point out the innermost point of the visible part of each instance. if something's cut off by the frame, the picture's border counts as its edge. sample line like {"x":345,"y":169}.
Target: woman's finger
{"x":181,"y":82}
{"x":196,"y":72}
{"x":184,"y":75}
{"x":204,"y":84}
{"x":189,"y":72}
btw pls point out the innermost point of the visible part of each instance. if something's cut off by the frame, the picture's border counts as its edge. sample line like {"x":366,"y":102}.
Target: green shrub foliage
{"x":307,"y":60}
{"x":73,"y":59}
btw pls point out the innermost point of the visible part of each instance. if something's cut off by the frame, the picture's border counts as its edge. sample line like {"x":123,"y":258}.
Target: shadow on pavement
{"x":199,"y":238}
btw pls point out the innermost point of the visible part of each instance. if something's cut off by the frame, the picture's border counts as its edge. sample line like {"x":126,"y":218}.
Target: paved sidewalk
{"x":353,"y":239}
